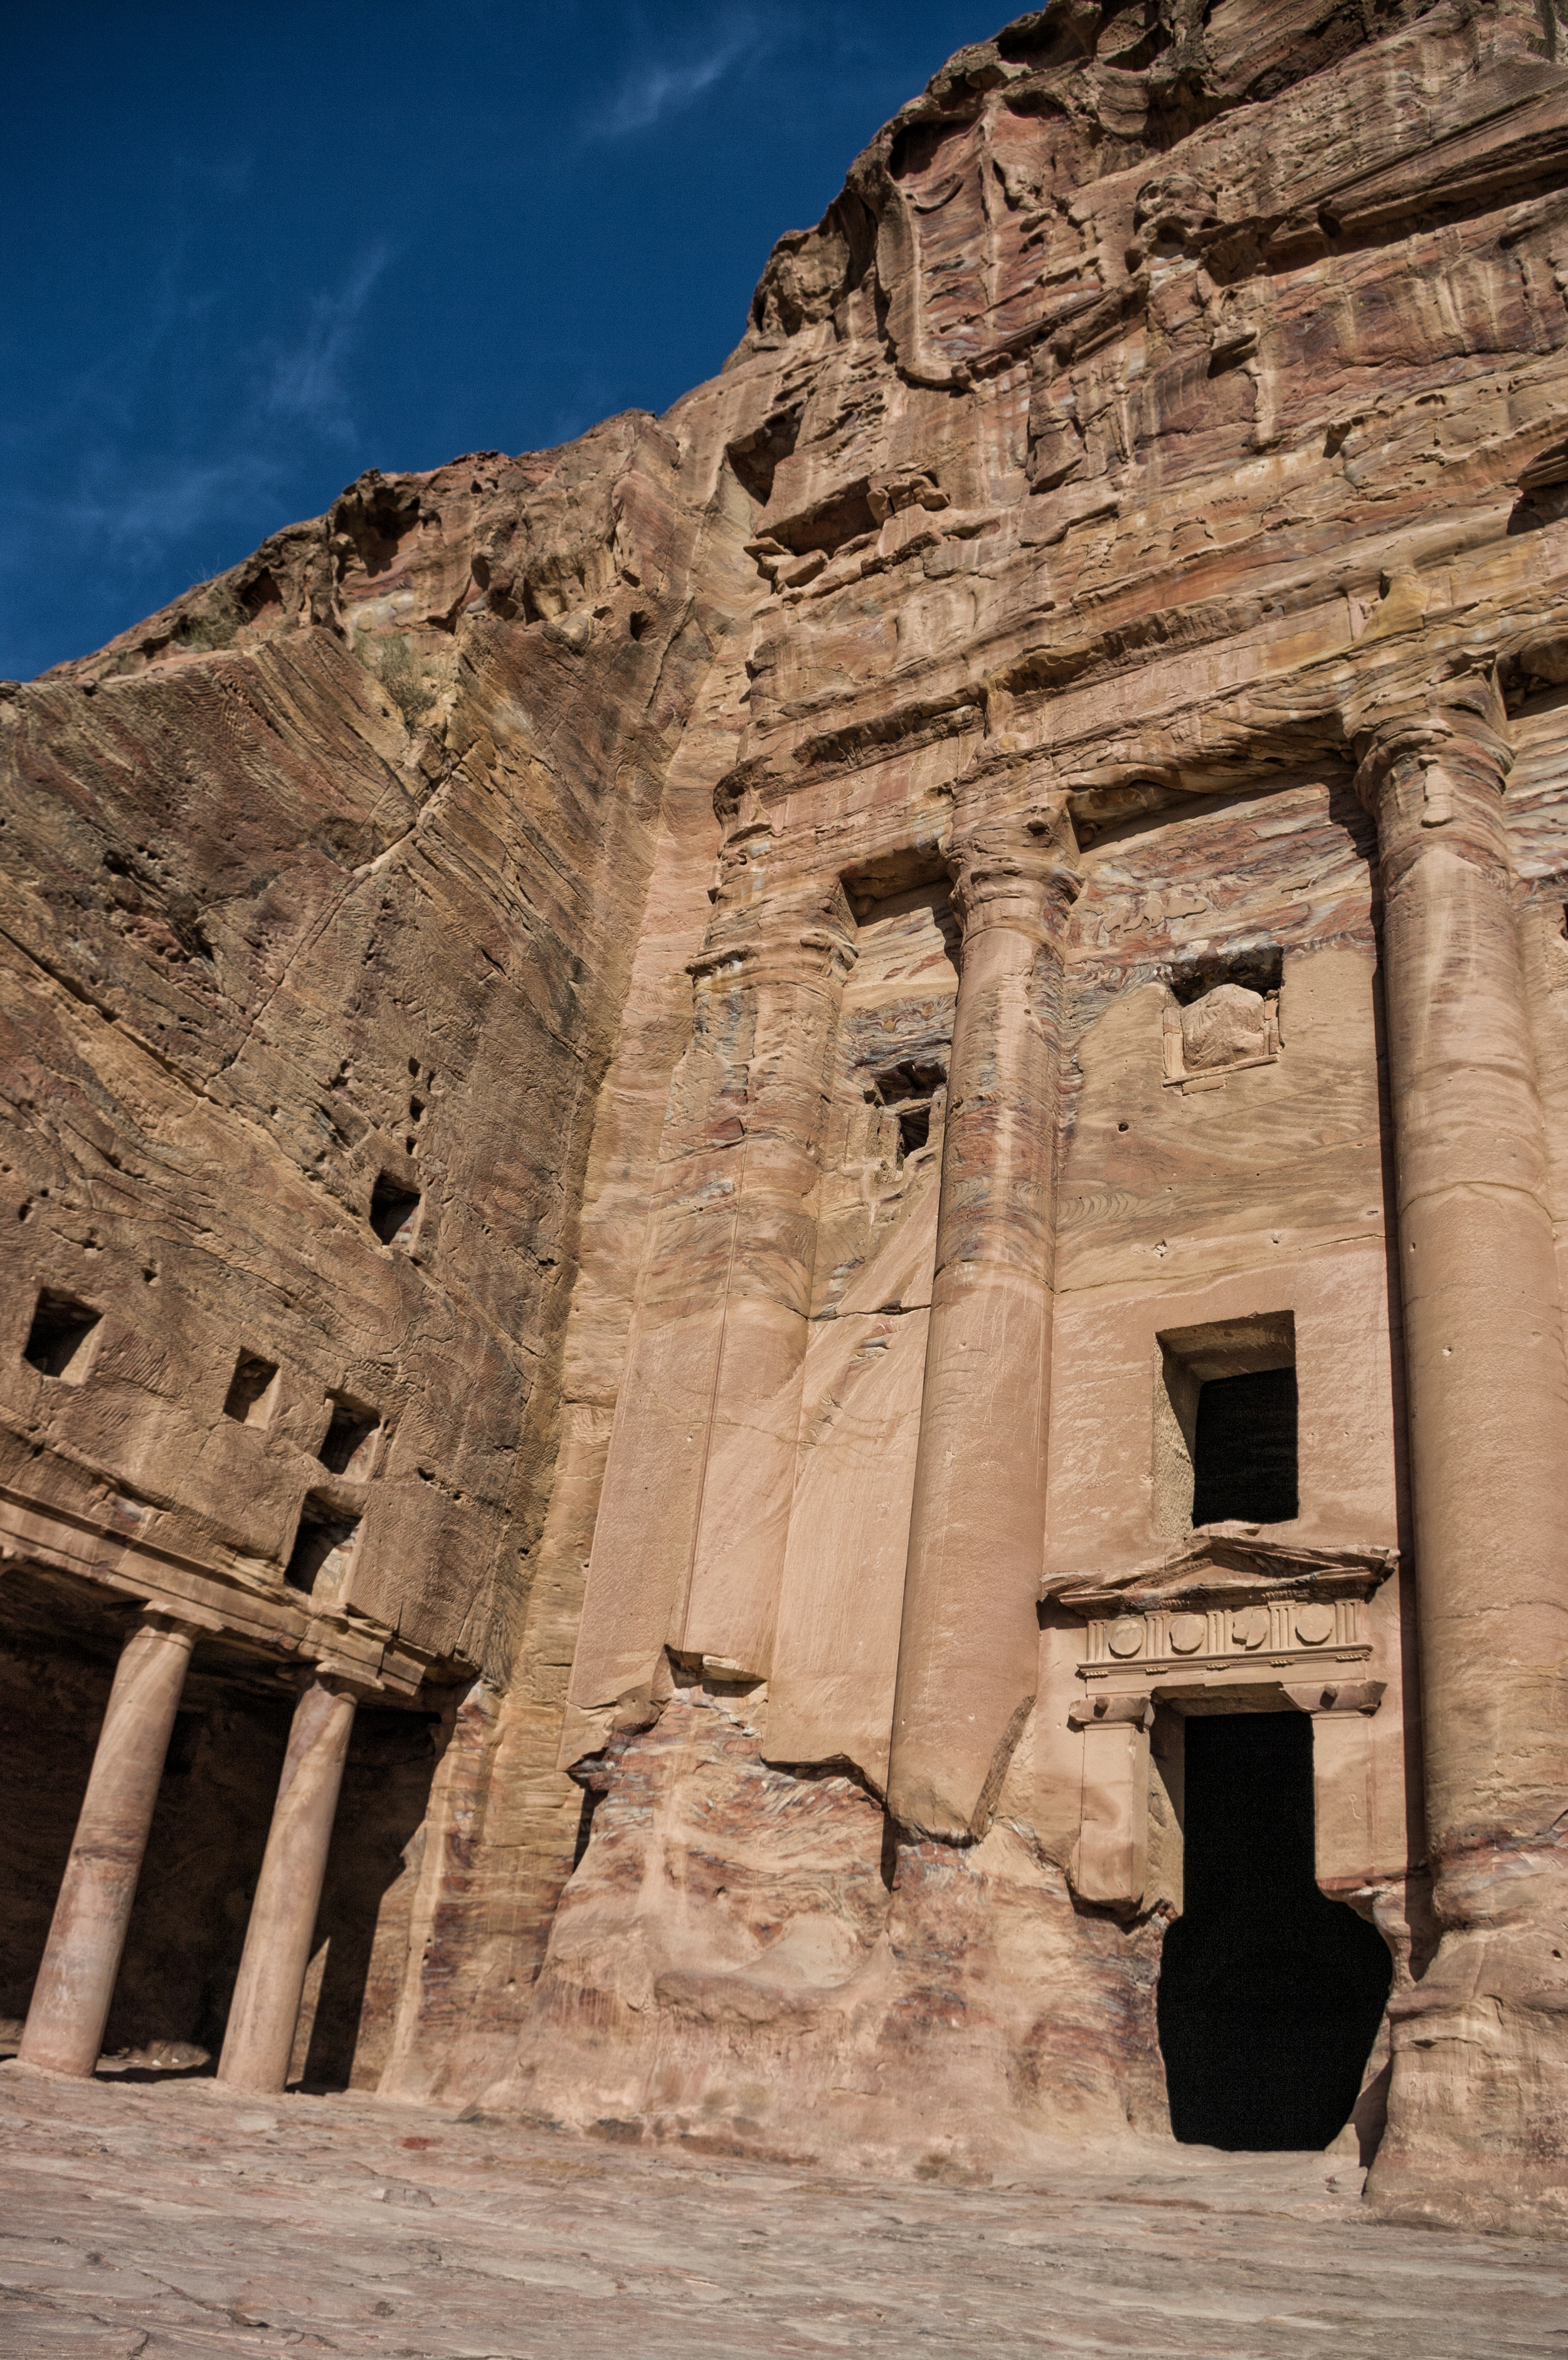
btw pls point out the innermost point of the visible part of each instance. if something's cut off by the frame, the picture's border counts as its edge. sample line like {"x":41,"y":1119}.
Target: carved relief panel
{"x":1227,"y":1029}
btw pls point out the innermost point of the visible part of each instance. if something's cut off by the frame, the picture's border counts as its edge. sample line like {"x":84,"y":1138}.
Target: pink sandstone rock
{"x":824,"y":1141}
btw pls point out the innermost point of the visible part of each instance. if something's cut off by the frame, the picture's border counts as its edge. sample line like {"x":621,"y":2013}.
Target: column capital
{"x":343,"y":1679}
{"x":178,"y":1622}
{"x":1014,"y":873}
{"x":1423,"y":759}
{"x":804,"y":945}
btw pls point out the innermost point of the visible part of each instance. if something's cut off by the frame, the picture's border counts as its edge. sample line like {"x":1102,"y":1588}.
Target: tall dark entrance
{"x":1270,"y":1994}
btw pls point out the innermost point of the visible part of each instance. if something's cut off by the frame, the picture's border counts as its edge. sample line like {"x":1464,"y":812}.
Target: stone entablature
{"x":1228,"y":1602}
{"x":92,"y":1542}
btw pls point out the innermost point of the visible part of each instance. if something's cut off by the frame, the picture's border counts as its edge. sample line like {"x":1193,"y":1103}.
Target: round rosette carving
{"x":1249,"y":1627}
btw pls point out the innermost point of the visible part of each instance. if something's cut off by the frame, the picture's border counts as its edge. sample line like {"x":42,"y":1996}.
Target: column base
{"x":36,"y":2072}
{"x":1477,"y":2135}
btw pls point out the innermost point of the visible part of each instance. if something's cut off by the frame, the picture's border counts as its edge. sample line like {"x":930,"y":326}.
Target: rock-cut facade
{"x":782,"y":1364}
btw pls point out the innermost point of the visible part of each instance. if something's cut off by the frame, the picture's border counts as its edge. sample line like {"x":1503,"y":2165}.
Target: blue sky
{"x":250,"y":251}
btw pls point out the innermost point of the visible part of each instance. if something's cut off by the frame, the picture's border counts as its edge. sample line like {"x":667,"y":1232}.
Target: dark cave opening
{"x":1270,"y":1994}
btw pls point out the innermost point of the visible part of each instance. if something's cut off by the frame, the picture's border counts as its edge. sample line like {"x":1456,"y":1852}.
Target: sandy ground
{"x":162,"y":2220}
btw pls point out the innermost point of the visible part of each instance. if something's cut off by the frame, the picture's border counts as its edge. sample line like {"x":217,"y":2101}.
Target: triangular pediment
{"x":1225,"y":1565}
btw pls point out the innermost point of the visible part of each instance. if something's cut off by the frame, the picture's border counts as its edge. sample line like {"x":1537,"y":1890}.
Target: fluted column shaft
{"x":693,"y":1515}
{"x":741,"y":1531}
{"x":75,"y":1984}
{"x":969,"y":1642}
{"x":266,"y":2006}
{"x":1488,"y":1387}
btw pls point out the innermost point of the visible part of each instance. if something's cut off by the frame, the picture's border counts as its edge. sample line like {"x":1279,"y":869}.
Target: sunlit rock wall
{"x":763,"y":999}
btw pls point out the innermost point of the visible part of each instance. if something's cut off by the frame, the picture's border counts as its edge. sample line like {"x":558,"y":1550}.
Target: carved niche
{"x":1227,"y":1029}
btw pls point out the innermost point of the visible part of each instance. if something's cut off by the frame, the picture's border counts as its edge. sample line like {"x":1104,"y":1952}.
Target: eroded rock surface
{"x":160,"y":2225}
{"x":787,"y":1130}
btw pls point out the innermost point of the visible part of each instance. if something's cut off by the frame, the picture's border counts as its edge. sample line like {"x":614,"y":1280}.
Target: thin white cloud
{"x":134,"y":512}
{"x":306,"y":383}
{"x":128,"y":504}
{"x":657,"y":87}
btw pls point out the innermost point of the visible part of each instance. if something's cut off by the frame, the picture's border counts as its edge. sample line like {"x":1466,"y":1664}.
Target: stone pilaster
{"x":969,"y":1643}
{"x":75,"y":1986}
{"x":1481,"y":2043}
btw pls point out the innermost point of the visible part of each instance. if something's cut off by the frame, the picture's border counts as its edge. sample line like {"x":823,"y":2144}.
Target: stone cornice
{"x":1222,"y":1565}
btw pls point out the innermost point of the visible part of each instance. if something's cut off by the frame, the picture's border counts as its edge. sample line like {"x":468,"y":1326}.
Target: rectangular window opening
{"x":322,"y":1552}
{"x":1243,"y":1457}
{"x":252,"y":1389}
{"x":393,"y":1210}
{"x":909,"y":1092}
{"x":59,"y":1342}
{"x":1225,"y":1424}
{"x":350,"y":1444}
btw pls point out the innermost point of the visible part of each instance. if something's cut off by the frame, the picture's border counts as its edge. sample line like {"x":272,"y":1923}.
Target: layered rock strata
{"x":794,"y":1127}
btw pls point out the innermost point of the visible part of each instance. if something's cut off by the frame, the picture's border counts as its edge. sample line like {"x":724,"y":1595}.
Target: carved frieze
{"x":1283,"y":1629}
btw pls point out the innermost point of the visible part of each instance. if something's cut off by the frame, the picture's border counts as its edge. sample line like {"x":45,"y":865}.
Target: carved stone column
{"x":969,"y":1643}
{"x":694,"y":1516}
{"x":742,"y":1521}
{"x":266,"y":2006}
{"x":1481,"y":2043}
{"x":75,"y":1984}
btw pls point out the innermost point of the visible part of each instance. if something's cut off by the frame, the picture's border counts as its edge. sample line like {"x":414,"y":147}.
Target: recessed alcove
{"x":1270,"y":1994}
{"x":755,"y":458}
{"x":253,"y":1390}
{"x":1256,"y":967}
{"x":59,"y":1338}
{"x":323,"y":1551}
{"x":348,"y":1445}
{"x":908,"y":1091}
{"x":1225,"y":1424}
{"x":394,"y":1210}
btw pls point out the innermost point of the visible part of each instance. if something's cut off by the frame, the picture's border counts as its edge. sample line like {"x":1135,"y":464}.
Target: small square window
{"x":253,"y":1391}
{"x":393,"y":1211}
{"x":322,"y":1552}
{"x":59,"y":1342}
{"x":350,"y":1444}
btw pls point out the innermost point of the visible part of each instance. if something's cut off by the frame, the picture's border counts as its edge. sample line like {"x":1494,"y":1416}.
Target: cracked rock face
{"x":796,"y":1125}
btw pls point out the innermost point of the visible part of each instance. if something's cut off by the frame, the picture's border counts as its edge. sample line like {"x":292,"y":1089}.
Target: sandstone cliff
{"x":489,"y":968}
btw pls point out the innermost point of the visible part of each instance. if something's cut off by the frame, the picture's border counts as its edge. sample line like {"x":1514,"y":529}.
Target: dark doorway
{"x":1244,"y":1452}
{"x":1270,"y":1994}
